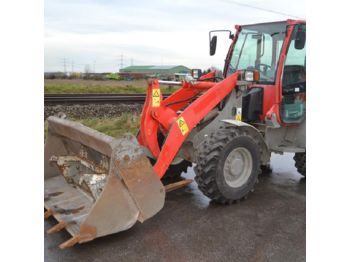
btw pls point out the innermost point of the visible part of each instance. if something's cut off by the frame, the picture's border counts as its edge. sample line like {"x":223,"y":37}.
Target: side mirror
{"x":213,"y":45}
{"x":213,"y":40}
{"x":300,"y":39}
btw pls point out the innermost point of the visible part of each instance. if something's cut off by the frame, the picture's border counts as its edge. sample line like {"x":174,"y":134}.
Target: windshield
{"x":258,"y":47}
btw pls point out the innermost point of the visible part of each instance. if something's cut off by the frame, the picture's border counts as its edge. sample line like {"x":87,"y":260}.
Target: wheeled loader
{"x":225,"y":124}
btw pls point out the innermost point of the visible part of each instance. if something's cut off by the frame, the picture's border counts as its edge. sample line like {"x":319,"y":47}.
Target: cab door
{"x":293,"y":106}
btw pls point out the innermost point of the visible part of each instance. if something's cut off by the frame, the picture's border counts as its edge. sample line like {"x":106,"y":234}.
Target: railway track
{"x":64,"y":99}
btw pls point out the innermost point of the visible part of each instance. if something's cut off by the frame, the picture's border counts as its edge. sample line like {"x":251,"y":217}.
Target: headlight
{"x":250,"y":75}
{"x":196,"y":73}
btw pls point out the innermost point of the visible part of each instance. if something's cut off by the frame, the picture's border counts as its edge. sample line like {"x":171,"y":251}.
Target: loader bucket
{"x":96,"y":185}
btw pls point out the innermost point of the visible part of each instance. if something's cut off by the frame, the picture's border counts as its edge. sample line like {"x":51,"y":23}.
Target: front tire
{"x":228,"y":164}
{"x":173,"y":173}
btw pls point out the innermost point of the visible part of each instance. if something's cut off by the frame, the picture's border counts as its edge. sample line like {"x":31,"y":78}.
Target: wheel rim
{"x":238,"y":167}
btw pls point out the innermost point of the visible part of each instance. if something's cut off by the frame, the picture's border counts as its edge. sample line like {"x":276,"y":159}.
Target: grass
{"x":78,"y":86}
{"x":115,"y":127}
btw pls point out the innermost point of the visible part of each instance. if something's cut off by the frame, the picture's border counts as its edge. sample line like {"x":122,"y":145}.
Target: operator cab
{"x":259,"y":47}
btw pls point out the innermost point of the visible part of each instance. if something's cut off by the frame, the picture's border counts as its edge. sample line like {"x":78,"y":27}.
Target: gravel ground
{"x":88,"y":111}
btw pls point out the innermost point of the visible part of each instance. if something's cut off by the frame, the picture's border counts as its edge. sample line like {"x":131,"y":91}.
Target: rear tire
{"x":228,"y":164}
{"x":300,"y":163}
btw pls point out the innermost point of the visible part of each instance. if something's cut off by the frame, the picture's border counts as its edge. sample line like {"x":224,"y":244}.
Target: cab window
{"x":293,"y":106}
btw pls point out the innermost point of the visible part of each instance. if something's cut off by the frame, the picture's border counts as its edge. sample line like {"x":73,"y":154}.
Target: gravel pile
{"x":88,"y":111}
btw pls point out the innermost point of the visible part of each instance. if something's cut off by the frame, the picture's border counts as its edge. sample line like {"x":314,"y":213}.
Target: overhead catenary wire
{"x":263,"y":9}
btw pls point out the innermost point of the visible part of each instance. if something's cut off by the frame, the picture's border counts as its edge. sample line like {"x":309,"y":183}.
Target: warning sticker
{"x":182,"y":125}
{"x":156,"y":97}
{"x":238,"y":115}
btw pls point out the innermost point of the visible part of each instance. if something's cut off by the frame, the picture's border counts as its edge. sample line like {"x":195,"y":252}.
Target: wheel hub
{"x":238,"y":167}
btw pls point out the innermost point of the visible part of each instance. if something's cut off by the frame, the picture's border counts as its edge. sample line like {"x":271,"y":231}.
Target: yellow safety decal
{"x":238,"y":115}
{"x":182,"y":125}
{"x":156,"y":97}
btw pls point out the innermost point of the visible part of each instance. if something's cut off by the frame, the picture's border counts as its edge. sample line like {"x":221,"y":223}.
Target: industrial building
{"x":160,"y":71}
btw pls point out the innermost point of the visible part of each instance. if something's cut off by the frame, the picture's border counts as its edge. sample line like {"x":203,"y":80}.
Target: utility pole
{"x":94,"y":66}
{"x":121,"y":61}
{"x":64,"y":65}
{"x":72,"y":66}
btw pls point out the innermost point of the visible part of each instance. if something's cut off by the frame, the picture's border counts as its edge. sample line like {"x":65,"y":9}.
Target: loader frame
{"x":162,"y":115}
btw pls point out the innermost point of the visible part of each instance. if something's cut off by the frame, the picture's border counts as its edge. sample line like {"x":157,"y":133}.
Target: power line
{"x":264,"y":9}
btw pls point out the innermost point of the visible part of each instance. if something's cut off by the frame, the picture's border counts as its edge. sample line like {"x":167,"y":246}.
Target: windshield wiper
{"x":276,"y":33}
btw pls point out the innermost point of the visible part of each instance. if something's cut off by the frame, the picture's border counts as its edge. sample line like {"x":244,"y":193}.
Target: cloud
{"x":149,"y":32}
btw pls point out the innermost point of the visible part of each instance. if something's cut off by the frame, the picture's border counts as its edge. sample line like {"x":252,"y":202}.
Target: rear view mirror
{"x":213,"y":45}
{"x":300,"y":39}
{"x":213,"y":40}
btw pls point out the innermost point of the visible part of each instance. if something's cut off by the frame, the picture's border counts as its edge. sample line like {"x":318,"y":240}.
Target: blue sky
{"x":97,"y":33}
